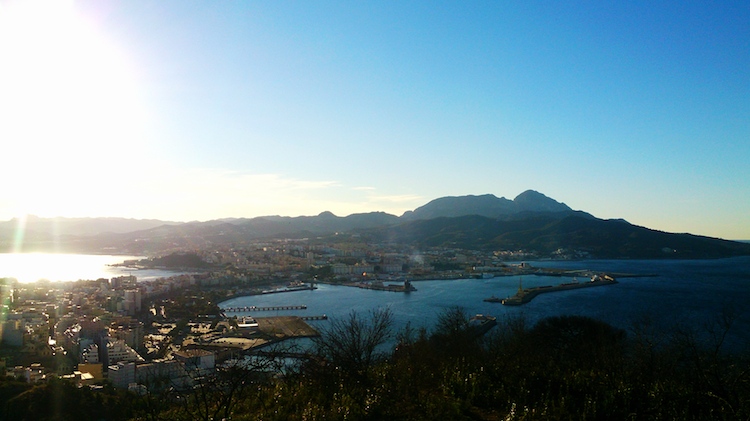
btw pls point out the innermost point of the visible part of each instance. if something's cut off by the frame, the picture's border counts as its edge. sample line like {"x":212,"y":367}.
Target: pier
{"x":253,"y":308}
{"x":323,"y":317}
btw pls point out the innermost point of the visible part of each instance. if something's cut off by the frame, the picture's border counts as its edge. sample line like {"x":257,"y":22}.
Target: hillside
{"x":524,"y":205}
{"x":80,"y":226}
{"x":547,"y":234}
{"x":531,"y":221}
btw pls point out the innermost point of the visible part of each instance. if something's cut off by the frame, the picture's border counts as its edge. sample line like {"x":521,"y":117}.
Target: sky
{"x":187,"y":111}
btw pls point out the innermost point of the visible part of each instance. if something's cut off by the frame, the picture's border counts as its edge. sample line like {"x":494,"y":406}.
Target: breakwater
{"x":255,"y":292}
{"x":525,"y":295}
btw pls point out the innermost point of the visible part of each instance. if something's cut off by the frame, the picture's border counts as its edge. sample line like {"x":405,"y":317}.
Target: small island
{"x":181,"y":260}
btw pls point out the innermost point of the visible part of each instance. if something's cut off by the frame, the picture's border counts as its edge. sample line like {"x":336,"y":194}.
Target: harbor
{"x":683,"y":287}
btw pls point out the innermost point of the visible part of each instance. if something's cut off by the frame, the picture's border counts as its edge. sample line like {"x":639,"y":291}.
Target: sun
{"x":71,"y":110}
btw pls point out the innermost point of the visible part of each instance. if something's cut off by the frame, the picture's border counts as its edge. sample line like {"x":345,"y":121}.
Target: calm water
{"x":685,"y":292}
{"x":31,"y":267}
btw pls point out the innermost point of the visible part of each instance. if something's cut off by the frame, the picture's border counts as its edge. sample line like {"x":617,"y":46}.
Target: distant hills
{"x":81,"y":226}
{"x":524,"y":205}
{"x":531,"y":222}
{"x":550,"y":235}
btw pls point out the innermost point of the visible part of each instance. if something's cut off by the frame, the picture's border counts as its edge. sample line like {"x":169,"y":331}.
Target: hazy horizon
{"x":192,"y":112}
{"x":742,"y":240}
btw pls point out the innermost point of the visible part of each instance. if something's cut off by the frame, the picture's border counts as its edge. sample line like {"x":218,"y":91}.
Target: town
{"x":130,"y":333}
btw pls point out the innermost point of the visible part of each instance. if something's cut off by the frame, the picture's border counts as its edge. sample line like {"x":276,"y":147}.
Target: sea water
{"x":687,"y":293}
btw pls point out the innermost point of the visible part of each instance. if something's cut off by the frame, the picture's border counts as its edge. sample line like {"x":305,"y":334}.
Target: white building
{"x":196,"y":359}
{"x":122,"y":374}
{"x":90,"y":354}
{"x":118,"y":351}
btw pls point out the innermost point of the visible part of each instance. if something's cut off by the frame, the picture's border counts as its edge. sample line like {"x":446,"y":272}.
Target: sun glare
{"x":70,"y":111}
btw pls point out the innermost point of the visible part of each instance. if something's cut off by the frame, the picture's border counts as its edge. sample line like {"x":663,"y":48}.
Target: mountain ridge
{"x":528,"y":201}
{"x":532,"y":221}
{"x":488,"y":205}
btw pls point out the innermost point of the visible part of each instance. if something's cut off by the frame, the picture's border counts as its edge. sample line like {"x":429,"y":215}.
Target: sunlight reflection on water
{"x":31,"y":267}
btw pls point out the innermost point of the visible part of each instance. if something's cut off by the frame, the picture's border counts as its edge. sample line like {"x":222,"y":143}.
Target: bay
{"x":685,"y":292}
{"x":691,"y":293}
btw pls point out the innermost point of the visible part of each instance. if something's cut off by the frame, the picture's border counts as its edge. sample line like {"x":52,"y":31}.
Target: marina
{"x":689,"y":291}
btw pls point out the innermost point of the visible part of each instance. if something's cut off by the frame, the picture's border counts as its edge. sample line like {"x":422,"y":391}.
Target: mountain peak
{"x":533,"y":201}
{"x":488,"y":205}
{"x":327,"y":214}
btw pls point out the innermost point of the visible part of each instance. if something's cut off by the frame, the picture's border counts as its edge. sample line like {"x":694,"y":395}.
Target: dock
{"x":253,"y":308}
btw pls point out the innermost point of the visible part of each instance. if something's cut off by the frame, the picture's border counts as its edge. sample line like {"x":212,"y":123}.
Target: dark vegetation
{"x":189,"y":305}
{"x":563,"y":368}
{"x":320,"y":272}
{"x":176,"y":260}
{"x":544,"y":234}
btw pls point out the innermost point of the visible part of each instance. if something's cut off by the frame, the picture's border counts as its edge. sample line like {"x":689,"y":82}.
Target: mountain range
{"x":531,"y":221}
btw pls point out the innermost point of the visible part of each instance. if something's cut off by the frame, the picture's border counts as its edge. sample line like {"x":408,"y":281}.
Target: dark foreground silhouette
{"x":564,"y":368}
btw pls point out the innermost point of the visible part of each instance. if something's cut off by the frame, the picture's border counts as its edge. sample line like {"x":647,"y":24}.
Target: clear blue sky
{"x":202,"y":110}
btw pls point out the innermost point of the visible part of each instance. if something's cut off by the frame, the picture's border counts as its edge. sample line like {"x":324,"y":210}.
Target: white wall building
{"x":118,"y":350}
{"x":121,"y":375}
